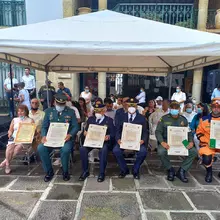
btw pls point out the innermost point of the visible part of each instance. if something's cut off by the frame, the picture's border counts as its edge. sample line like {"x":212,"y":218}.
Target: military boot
{"x":208,"y":177}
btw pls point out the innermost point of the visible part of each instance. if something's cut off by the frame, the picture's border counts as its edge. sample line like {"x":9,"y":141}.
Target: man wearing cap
{"x":174,"y":119}
{"x":132,"y":116}
{"x":159,"y":101}
{"x":99,"y":119}
{"x":203,"y":134}
{"x":42,"y":94}
{"x":59,"y":114}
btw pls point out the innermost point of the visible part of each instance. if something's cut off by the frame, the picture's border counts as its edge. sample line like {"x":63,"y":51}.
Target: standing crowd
{"x":154,"y":116}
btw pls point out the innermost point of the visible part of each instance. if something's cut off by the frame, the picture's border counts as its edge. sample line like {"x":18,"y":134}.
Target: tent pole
{"x":48,"y":101}
{"x":12,"y":94}
{"x":170,"y":85}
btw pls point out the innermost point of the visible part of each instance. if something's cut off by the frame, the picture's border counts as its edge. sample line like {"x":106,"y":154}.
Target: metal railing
{"x":12,"y":13}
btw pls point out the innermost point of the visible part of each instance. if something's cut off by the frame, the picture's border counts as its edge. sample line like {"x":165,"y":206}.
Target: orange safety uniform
{"x":203,"y":134}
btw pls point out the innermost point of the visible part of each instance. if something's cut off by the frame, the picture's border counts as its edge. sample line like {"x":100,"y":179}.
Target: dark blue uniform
{"x":141,"y":155}
{"x":118,"y":115}
{"x":103,"y":153}
{"x":66,"y":116}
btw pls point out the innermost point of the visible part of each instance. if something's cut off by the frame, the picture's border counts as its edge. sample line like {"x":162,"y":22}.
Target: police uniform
{"x":66,"y":116}
{"x":103,"y":152}
{"x":203,"y":134}
{"x":135,"y":118}
{"x":161,"y":135}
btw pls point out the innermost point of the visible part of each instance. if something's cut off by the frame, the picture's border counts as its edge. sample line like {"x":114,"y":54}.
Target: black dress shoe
{"x":219,"y":175}
{"x":66,"y":176}
{"x":136,"y":176}
{"x":181,"y":174}
{"x":48,"y":177}
{"x":101,"y":178}
{"x":171,"y":174}
{"x":84,"y":176}
{"x":123,"y":174}
{"x":208,"y":177}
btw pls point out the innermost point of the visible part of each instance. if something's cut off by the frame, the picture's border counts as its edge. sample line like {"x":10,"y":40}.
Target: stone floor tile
{"x":152,"y":181}
{"x":157,"y":169}
{"x":200,"y":177}
{"x":93,"y":185}
{"x":75,"y":169}
{"x":64,"y":192}
{"x":156,"y":216}
{"x":5,"y":180}
{"x":216,"y":215}
{"x":17,"y":170}
{"x":109,"y":206}
{"x":189,"y":216}
{"x":29,"y":183}
{"x":205,"y":200}
{"x":73,"y":180}
{"x":53,"y":210}
{"x":126,"y":184}
{"x":17,"y":206}
{"x":164,"y":200}
{"x":178,"y":184}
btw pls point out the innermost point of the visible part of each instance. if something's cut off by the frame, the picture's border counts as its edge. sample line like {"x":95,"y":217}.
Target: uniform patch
{"x":51,"y":116}
{"x":168,"y":123}
{"x":182,"y":123}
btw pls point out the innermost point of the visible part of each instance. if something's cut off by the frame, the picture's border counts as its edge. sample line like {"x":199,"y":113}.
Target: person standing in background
{"x":87,"y":95}
{"x":7,"y":87}
{"x":141,"y":97}
{"x":42,"y":94}
{"x":180,"y":97}
{"x":118,"y":103}
{"x":216,"y":92}
{"x":29,"y":82}
{"x":63,"y":90}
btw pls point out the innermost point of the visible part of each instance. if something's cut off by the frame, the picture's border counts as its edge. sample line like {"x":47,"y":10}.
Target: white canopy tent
{"x":107,"y":41}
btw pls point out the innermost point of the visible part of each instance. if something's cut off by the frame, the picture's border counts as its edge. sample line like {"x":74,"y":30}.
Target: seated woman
{"x":151,"y":107}
{"x":188,"y":112}
{"x":13,"y":149}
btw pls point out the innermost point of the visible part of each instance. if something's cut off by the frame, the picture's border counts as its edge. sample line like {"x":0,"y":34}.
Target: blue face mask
{"x":199,"y":110}
{"x":141,"y":90}
{"x":22,"y":117}
{"x":189,"y":110}
{"x":174,"y":112}
{"x":177,"y":90}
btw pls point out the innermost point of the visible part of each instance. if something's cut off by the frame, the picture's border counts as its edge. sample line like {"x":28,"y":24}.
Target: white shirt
{"x":29,"y":82}
{"x":140,"y":109}
{"x":87,"y":97}
{"x":76,"y":111}
{"x":7,"y":82}
{"x":101,"y":119}
{"x":188,"y":116}
{"x":133,"y":116}
{"x":141,"y":97}
{"x":179,"y":97}
{"x":26,"y":95}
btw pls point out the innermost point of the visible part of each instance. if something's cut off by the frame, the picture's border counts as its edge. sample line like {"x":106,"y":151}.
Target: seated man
{"x":59,"y":114}
{"x":132,"y":116}
{"x":203,"y":134}
{"x":102,"y":120}
{"x":174,"y":119}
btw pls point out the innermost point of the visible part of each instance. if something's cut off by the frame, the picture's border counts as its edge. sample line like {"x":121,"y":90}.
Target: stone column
{"x":198,"y":73}
{"x":197,"y":84}
{"x":102,"y":75}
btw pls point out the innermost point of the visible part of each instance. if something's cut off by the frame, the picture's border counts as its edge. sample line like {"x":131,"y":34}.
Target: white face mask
{"x":131,"y":110}
{"x":59,"y":108}
{"x":98,"y":115}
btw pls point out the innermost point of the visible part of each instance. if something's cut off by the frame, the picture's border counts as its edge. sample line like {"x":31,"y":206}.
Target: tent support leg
{"x":12,"y":93}
{"x":48,"y":101}
{"x":170,"y":85}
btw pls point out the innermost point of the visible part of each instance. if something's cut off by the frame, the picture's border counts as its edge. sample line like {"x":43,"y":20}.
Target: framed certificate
{"x":56,"y":135}
{"x":25,"y":134}
{"x":215,"y":134}
{"x":176,"y":136}
{"x":95,"y":136}
{"x":131,"y":136}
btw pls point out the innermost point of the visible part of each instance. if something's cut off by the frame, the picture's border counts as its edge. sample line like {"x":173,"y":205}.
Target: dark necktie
{"x":98,"y":121}
{"x":130,"y":119}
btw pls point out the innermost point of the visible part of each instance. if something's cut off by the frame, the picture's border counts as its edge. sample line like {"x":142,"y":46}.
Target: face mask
{"x":189,"y":110}
{"x":174,"y":112}
{"x":216,"y":112}
{"x":59,"y":108}
{"x":141,"y":90}
{"x":35,"y":109}
{"x":177,"y":90}
{"x":86,"y":90}
{"x":199,"y":110}
{"x":22,"y":117}
{"x":131,"y":110}
{"x":98,"y":115}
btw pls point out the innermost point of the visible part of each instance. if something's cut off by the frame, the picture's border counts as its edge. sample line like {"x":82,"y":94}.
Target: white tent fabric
{"x":108,"y":41}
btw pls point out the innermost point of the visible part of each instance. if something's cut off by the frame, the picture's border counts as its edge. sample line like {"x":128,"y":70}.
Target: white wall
{"x":43,"y":10}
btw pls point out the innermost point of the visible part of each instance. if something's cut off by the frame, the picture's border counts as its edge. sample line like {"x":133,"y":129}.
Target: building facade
{"x":195,"y":14}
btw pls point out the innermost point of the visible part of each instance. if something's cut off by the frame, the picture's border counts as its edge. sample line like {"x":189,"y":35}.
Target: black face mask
{"x":35,"y":109}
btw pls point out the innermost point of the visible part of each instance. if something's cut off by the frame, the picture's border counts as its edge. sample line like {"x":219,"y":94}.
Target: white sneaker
{"x":57,"y":162}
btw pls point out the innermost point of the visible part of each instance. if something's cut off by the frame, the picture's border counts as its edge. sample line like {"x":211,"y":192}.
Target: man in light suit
{"x":132,"y":116}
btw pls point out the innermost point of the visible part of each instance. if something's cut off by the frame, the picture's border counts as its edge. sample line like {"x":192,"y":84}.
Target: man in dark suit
{"x":121,"y":111}
{"x":132,"y":116}
{"x":102,"y":120}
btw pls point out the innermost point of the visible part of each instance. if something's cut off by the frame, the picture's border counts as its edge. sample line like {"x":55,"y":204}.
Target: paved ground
{"x":24,"y":195}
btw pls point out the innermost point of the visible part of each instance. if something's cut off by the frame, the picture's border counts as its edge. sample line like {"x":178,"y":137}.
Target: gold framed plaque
{"x":25,"y":134}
